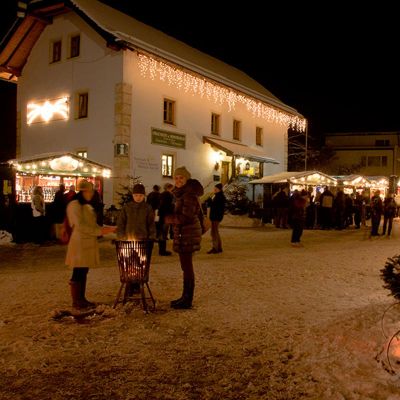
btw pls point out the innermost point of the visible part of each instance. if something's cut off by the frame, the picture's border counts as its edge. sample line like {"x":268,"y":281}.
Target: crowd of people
{"x":176,"y":213}
{"x":325,"y":210}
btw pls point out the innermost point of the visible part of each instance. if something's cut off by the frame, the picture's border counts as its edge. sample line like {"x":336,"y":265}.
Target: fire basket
{"x":134,"y":267}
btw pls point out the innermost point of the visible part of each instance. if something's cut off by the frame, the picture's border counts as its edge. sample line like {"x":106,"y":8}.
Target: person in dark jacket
{"x":217,"y":209}
{"x":376,"y":213}
{"x":136,"y":222}
{"x":297,"y":216}
{"x":166,"y":207}
{"x":389,"y":211}
{"x":153,"y":198}
{"x":187,"y":230}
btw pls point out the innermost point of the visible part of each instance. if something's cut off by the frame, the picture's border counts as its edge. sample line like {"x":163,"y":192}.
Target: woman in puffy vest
{"x":187,"y":230}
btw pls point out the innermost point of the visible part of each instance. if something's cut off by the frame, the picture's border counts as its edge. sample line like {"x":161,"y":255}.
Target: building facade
{"x":98,"y":83}
{"x":370,"y":153}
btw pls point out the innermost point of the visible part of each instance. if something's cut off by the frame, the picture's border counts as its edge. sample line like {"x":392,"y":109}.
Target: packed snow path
{"x":269,"y":322}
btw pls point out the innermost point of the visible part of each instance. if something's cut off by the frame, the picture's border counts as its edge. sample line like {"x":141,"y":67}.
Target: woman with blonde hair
{"x":83,"y":250}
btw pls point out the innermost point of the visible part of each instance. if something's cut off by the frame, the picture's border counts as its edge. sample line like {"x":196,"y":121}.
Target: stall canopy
{"x":61,"y":163}
{"x":238,"y":149}
{"x":353,"y":180}
{"x":299,"y":178}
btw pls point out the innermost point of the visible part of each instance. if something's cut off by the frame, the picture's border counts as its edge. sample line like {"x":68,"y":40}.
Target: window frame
{"x":215,"y":124}
{"x":71,"y":38}
{"x":172,"y":157}
{"x":167,"y":102}
{"x":78,"y":97}
{"x":81,"y":152}
{"x":237,"y":128}
{"x":259,"y":130}
{"x":52,"y":47}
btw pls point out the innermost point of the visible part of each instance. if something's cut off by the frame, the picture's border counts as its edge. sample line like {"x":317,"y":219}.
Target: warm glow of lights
{"x":198,"y":85}
{"x":64,"y":163}
{"x":106,"y":173}
{"x":48,"y":110}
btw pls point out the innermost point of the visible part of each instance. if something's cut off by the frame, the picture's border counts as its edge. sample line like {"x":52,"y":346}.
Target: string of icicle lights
{"x":197,"y":85}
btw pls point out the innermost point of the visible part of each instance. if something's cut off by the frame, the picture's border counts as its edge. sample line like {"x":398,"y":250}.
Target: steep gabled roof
{"x":123,"y":31}
{"x":141,"y":36}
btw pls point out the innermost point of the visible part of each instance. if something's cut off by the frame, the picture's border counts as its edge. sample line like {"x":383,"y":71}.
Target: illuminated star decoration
{"x":198,"y":85}
{"x":48,"y":110}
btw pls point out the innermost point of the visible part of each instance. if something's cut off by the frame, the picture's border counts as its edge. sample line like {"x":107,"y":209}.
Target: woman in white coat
{"x":83,"y":250}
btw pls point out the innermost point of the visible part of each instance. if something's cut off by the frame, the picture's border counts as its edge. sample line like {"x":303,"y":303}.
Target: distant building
{"x":95,"y":82}
{"x":375,"y":153}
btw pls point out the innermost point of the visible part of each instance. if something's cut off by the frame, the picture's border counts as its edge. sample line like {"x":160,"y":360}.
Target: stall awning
{"x":238,"y":149}
{"x":304,"y":177}
{"x":60,"y":163}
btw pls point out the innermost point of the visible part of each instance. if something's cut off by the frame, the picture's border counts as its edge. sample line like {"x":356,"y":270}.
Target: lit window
{"x":82,"y":153}
{"x":56,"y":51}
{"x":83,"y":99}
{"x":169,"y":112}
{"x":167,"y":165}
{"x":75,"y":45}
{"x":215,"y":124}
{"x":236,"y":129}
{"x":259,"y":136}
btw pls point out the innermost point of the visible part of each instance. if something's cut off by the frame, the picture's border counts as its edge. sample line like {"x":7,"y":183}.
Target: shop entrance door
{"x":225,"y":172}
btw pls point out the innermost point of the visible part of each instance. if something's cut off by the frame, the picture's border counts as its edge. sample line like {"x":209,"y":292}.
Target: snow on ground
{"x":269,"y":322}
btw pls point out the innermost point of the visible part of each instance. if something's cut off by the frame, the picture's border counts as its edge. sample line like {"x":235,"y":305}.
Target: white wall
{"x":194,"y":120}
{"x":96,"y":70}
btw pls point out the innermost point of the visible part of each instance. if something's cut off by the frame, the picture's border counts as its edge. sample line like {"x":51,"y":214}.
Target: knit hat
{"x":138,"y":189}
{"x":85,"y":185}
{"x":219,"y":186}
{"x":183,"y":172}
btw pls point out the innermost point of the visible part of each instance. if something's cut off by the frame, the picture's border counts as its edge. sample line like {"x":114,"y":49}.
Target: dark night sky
{"x":334,"y":64}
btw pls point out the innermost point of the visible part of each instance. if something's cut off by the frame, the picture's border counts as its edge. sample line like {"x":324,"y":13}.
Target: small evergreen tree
{"x":237,"y":201}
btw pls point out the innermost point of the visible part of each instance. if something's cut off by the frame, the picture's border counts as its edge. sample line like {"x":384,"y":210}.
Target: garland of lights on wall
{"x":202,"y":87}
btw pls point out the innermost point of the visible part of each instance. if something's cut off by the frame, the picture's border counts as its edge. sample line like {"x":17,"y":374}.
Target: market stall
{"x":51,"y":169}
{"x":48,"y":171}
{"x":352,"y":184}
{"x":313,"y":181}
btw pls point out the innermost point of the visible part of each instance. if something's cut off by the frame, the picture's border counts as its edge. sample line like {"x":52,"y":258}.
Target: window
{"x":169,"y":112}
{"x":374,"y":161}
{"x":167,"y":165}
{"x":121,"y":149}
{"x":56,"y":51}
{"x":384,"y":142}
{"x":215,"y":124}
{"x":259,"y":136}
{"x":75,"y":45}
{"x":236,"y":129}
{"x":83,"y":99}
{"x":82,"y":153}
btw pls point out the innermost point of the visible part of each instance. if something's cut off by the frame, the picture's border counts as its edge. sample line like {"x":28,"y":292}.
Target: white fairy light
{"x":48,"y":110}
{"x":197,"y":85}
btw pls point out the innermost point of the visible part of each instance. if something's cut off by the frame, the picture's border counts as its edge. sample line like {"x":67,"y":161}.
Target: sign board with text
{"x":170,"y":139}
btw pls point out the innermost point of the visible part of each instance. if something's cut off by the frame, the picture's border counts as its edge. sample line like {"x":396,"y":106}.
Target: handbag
{"x":205,"y":222}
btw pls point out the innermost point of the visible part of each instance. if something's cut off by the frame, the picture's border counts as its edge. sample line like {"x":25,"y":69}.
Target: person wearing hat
{"x":216,"y":204}
{"x":187,"y":230}
{"x":82,"y":251}
{"x":136,"y":222}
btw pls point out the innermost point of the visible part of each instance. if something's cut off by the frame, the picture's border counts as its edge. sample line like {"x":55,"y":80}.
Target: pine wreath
{"x":390,"y":274}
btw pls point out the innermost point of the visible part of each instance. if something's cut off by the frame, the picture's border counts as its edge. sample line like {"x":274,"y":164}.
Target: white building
{"x":94,"y":81}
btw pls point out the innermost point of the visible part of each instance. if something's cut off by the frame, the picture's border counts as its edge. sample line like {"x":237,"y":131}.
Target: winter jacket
{"x":83,"y":250}
{"x":187,"y":228}
{"x":136,"y":221}
{"x":154,"y":200}
{"x":217,"y":207}
{"x":166,"y":205}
